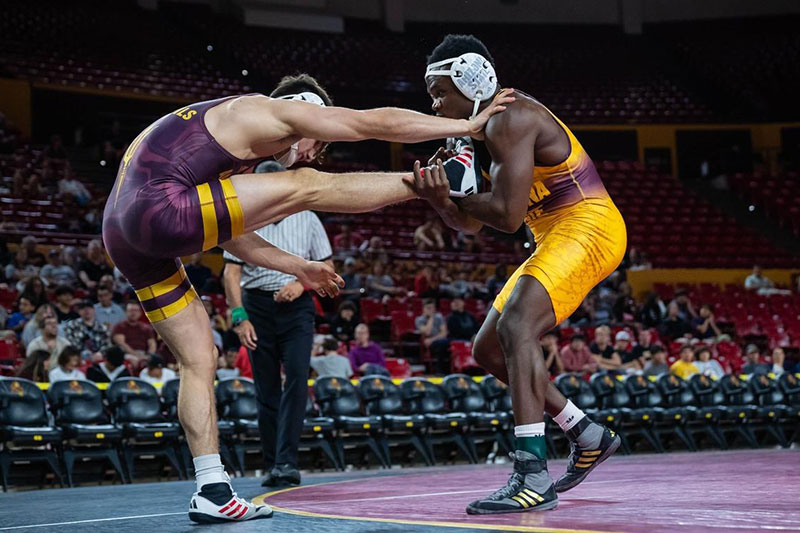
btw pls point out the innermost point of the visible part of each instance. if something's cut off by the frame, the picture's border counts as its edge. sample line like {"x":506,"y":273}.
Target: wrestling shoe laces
{"x":529,"y":488}
{"x":582,"y":460}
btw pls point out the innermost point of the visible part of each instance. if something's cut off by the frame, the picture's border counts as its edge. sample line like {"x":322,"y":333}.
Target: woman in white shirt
{"x":67,"y":369}
{"x":706,"y":365}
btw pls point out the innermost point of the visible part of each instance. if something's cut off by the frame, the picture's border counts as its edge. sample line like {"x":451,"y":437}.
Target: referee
{"x":274,"y":318}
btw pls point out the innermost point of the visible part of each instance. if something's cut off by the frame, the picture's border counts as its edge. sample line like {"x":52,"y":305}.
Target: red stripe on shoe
{"x":230,"y":504}
{"x":244,"y":512}
{"x":465,"y":161}
{"x":234,"y":510}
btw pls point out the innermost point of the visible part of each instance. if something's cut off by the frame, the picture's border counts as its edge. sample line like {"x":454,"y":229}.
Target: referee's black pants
{"x":285,"y":335}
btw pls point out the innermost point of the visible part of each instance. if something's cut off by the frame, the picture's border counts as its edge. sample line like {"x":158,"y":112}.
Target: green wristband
{"x":239,"y":315}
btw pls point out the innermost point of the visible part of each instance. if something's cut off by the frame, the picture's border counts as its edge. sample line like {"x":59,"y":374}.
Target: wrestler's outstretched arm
{"x":272,"y":119}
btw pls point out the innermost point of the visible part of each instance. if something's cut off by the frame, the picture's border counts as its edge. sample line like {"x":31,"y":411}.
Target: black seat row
{"x":653,"y":412}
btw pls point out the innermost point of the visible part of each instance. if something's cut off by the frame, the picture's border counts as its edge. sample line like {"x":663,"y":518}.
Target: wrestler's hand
{"x":247,"y":334}
{"x":430,"y":184}
{"x":444,"y":152}
{"x":321,"y":278}
{"x":497,"y":105}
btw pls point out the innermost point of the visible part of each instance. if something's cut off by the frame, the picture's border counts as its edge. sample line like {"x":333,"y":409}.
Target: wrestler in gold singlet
{"x":580,"y":235}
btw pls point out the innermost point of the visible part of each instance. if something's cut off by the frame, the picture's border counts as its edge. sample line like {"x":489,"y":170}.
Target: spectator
{"x":706,"y":365}
{"x":17,"y":320}
{"x":653,"y":311}
{"x":624,"y":349}
{"x":576,"y":357}
{"x":107,"y":312}
{"x":684,"y":367}
{"x":94,"y":266}
{"x":69,"y":187}
{"x":55,"y":272}
{"x":366,"y":357}
{"x":583,"y":315}
{"x":425,"y":283}
{"x":197,"y":272}
{"x":353,"y":287}
{"x":156,"y":372}
{"x":216,"y":320}
{"x":604,"y":353}
{"x":49,"y":340}
{"x":67,"y":365}
{"x":373,"y":249}
{"x":495,"y":283}
{"x":347,"y":240}
{"x":35,"y":292}
{"x":34,"y":189}
{"x":330,"y":363}
{"x":778,"y":359}
{"x":461,"y":287}
{"x":551,"y":353}
{"x":31,"y":246}
{"x":35,"y":366}
{"x":136,"y":338}
{"x":753,"y":365}
{"x":673,"y":327}
{"x":111,"y":368}
{"x":65,"y":298}
{"x":644,"y":349}
{"x":226,"y":368}
{"x":428,"y":236}
{"x":686,"y":311}
{"x":87,"y":334}
{"x":656,"y":365}
{"x":461,"y":325}
{"x":433,"y":334}
{"x":31,"y":329}
{"x":704,"y":325}
{"x":343,"y":325}
{"x":625,"y":308}
{"x":20,"y":269}
{"x":380,"y":285}
{"x":757,"y":280}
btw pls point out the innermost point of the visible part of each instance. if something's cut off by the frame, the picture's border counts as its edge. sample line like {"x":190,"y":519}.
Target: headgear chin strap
{"x":472,"y":74}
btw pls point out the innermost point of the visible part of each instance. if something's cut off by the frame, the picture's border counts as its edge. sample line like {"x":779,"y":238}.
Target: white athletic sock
{"x":569,"y":416}
{"x":529,"y":430}
{"x":208,"y":469}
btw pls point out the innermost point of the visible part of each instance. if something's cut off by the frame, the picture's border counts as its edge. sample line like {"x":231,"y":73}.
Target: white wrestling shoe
{"x":463,"y":171}
{"x":203,"y":508}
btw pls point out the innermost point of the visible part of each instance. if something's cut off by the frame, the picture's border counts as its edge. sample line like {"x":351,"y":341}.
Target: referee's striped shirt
{"x":301,"y":234}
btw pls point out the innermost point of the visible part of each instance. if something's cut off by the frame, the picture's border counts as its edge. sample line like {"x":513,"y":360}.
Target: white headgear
{"x":290,"y":157}
{"x":471,"y":73}
{"x":306,"y":97}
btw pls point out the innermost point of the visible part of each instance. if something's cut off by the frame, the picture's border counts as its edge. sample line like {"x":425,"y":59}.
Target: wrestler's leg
{"x":265,"y":198}
{"x":188,"y":335}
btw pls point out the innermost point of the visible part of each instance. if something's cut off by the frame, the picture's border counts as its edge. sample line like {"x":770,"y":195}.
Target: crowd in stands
{"x":72,"y":314}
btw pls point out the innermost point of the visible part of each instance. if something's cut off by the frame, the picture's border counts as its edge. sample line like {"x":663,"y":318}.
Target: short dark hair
{"x":577,"y":337}
{"x":64,"y":289}
{"x":155,"y":361}
{"x":114,"y":355}
{"x":330,"y":344}
{"x":701,"y":350}
{"x":347,"y":304}
{"x":454,"y":45}
{"x":300,"y":83}
{"x":133,"y":302}
{"x":657,"y":349}
{"x":66,"y":354}
{"x":428,"y":301}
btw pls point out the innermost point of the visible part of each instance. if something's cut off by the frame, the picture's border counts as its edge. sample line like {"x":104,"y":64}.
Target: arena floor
{"x":710,"y":491}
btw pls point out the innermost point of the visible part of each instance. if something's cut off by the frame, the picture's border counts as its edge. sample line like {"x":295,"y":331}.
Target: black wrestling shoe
{"x":584,"y":459}
{"x":287,"y":474}
{"x":530,"y":488}
{"x":271,"y":479}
